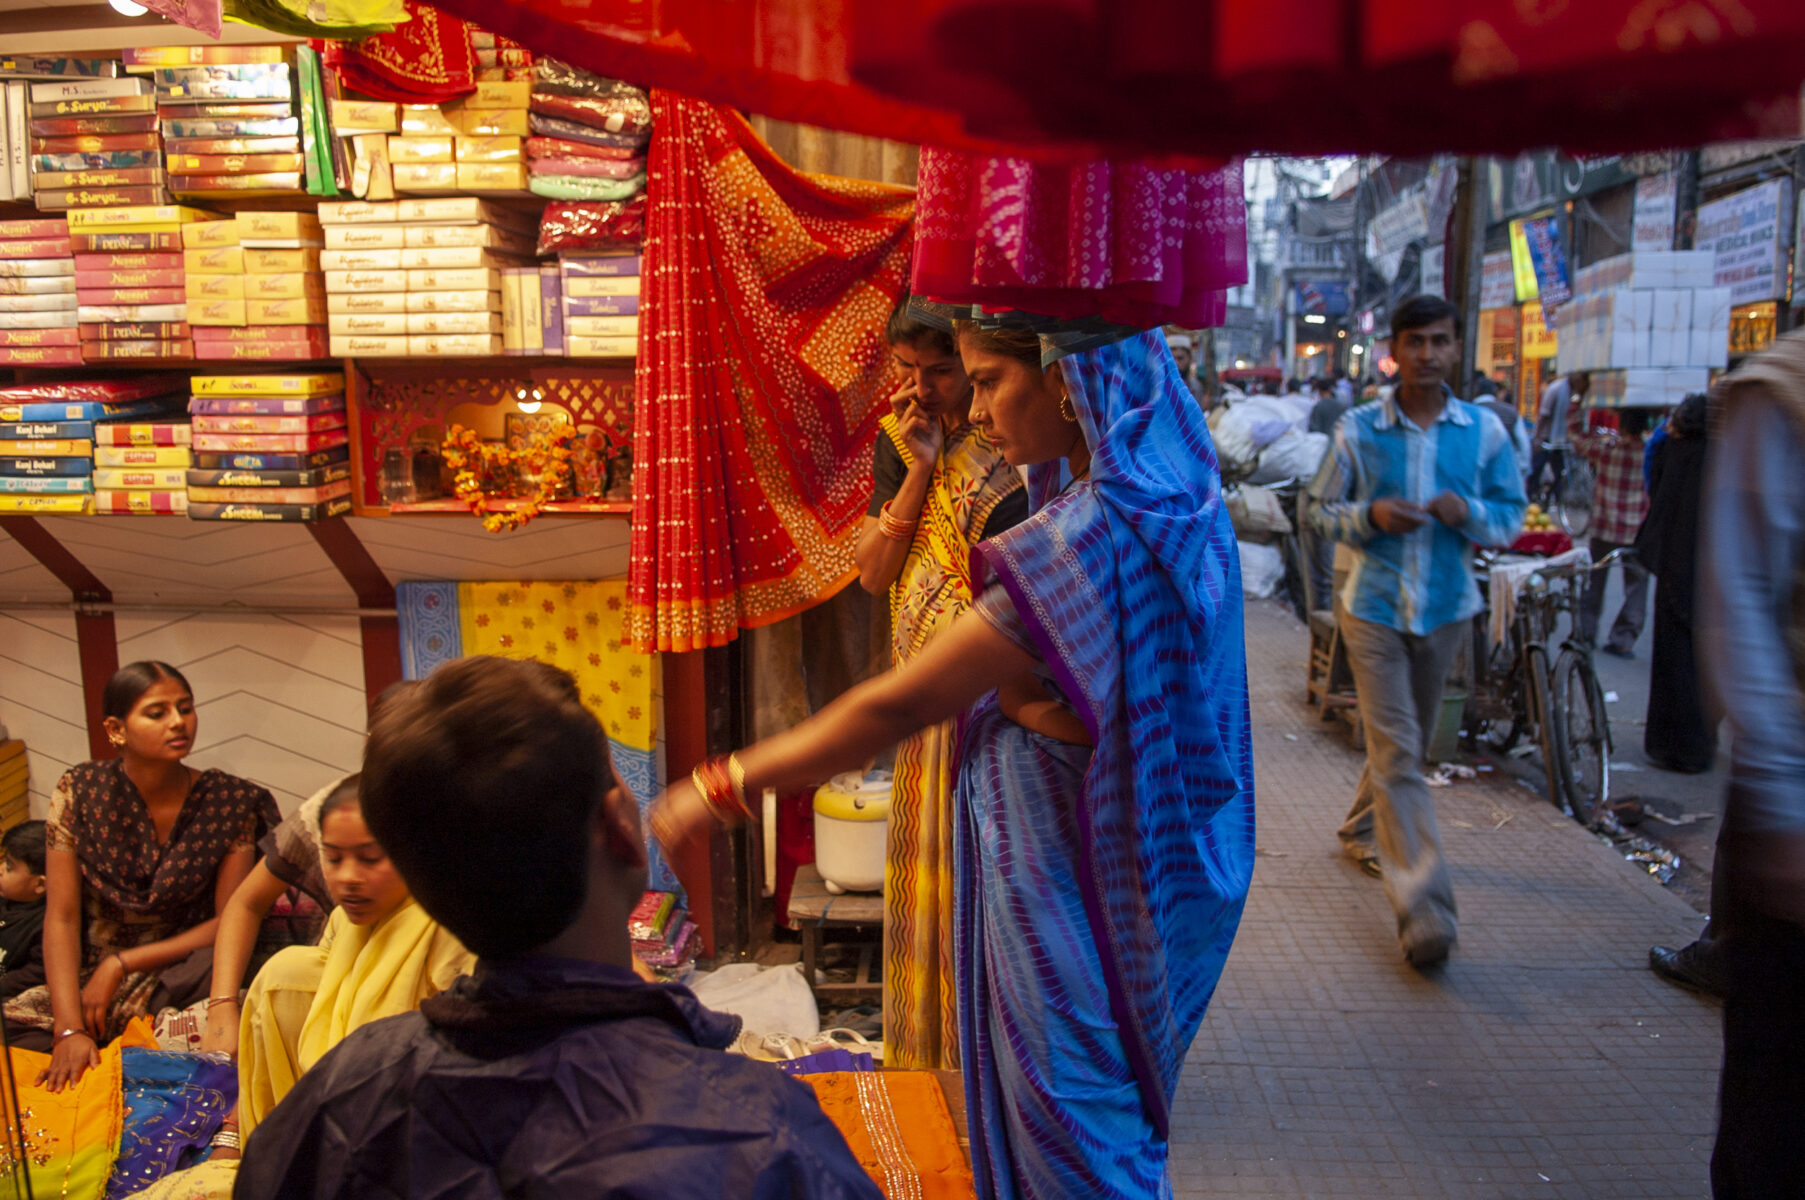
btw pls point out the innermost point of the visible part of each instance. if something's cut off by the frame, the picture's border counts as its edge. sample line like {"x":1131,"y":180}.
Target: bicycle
{"x":1566,"y":495}
{"x":1517,"y":691}
{"x":1582,"y":723}
{"x":1511,"y":694}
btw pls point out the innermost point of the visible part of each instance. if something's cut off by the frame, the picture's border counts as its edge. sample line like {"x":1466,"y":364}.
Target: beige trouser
{"x":1399,"y":677}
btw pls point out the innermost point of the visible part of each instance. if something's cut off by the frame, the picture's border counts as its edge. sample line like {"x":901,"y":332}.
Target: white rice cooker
{"x":852,"y":820}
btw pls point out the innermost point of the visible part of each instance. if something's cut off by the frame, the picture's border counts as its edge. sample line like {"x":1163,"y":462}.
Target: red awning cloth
{"x":1133,"y":244}
{"x":1208,"y":78}
{"x":761,"y":377}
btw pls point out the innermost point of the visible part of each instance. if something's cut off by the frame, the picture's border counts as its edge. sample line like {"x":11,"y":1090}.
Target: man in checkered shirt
{"x":1619,"y":502}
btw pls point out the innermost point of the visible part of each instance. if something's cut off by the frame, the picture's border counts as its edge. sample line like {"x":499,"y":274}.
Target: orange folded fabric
{"x":898,"y":1127}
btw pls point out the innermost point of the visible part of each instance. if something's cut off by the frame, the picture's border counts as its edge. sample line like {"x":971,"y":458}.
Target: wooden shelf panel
{"x":453,"y":507}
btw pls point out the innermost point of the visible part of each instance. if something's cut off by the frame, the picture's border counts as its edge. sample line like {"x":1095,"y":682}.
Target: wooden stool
{"x":1330,"y":681}
{"x":814,"y":909}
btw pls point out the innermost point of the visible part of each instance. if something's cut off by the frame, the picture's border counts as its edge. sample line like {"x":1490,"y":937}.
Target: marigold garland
{"x":547,"y":453}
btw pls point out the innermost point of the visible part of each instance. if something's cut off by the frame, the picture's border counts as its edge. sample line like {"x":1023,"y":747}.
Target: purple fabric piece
{"x":174,"y":1104}
{"x":573,"y":131}
{"x":824,"y":1061}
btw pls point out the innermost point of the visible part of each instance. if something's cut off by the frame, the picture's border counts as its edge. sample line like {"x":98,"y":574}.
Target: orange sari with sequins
{"x":761,"y":377}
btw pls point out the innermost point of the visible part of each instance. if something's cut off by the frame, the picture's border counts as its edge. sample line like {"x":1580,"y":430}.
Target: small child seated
{"x":22,"y":909}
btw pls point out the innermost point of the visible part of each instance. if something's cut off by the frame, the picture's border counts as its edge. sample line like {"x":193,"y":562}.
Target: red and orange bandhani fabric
{"x":761,"y":377}
{"x":425,"y":60}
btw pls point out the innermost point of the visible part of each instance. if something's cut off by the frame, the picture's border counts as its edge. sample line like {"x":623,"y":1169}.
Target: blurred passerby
{"x":1619,"y":503}
{"x":1679,"y":735}
{"x":1550,"y":436}
{"x":1485,"y":394}
{"x":1752,"y":632}
{"x":1328,"y":407}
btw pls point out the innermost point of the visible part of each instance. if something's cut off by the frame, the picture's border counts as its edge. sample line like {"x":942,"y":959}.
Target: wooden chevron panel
{"x":25,"y":580}
{"x":280,"y":699}
{"x":41,"y":696}
{"x":169,"y":560}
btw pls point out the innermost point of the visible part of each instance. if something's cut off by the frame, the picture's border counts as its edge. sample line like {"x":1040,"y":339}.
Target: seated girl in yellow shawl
{"x":380,"y":955}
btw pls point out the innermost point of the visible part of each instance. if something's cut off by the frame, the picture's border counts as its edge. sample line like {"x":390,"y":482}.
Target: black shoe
{"x":1370,"y":866}
{"x":1694,"y":966}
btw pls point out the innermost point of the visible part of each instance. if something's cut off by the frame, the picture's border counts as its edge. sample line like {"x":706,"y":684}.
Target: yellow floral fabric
{"x":580,"y":626}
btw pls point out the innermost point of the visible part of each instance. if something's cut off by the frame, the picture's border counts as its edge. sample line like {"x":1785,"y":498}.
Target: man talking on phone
{"x":1413,"y":484}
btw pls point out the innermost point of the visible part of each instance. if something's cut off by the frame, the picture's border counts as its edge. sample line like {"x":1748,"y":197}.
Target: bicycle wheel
{"x":1547,"y":727}
{"x":1585,"y":734}
{"x":1573,"y":499}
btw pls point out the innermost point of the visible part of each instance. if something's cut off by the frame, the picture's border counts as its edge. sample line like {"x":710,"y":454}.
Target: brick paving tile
{"x":1545,"y":1060}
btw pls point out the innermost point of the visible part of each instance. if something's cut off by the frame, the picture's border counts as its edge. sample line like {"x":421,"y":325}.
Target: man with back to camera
{"x":1413,"y":484}
{"x":554,"y":1070}
{"x":1550,"y":436}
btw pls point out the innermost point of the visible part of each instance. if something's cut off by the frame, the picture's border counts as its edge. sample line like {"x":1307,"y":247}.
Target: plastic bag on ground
{"x":1262,"y":567}
{"x":767,"y":999}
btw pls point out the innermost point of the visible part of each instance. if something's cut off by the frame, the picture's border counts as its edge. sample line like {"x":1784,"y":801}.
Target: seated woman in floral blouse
{"x":143,"y":851}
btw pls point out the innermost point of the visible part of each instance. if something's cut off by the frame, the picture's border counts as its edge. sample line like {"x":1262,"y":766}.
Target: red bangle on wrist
{"x":716,"y":781}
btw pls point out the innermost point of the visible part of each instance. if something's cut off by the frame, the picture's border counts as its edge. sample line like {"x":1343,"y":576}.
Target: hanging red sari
{"x":760,"y":379}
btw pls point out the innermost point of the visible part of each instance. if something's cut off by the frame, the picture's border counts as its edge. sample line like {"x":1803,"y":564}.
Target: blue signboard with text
{"x":1326,"y":297}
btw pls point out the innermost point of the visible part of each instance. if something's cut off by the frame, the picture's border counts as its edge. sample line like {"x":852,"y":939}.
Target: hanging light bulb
{"x":127,"y":8}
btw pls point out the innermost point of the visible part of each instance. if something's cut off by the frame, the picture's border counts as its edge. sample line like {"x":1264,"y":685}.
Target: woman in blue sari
{"x":1104,"y":835}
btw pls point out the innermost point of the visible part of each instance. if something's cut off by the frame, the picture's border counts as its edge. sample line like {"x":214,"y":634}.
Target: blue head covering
{"x":1131,"y":588}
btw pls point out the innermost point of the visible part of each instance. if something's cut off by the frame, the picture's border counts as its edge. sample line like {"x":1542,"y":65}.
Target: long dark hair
{"x":132,"y":681}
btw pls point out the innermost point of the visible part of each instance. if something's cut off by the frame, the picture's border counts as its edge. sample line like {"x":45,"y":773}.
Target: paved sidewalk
{"x":1544,"y":1060}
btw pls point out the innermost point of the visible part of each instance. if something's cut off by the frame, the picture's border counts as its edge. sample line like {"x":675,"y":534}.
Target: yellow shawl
{"x":306,"y":999}
{"x":376,"y":971}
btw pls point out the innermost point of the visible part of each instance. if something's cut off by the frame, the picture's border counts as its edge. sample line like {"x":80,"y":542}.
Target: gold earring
{"x":1065,"y":408}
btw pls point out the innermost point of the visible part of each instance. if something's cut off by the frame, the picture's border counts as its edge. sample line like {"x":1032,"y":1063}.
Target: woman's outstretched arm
{"x":957,"y":668}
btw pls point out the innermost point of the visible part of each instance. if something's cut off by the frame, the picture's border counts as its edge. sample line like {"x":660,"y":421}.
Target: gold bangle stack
{"x":894,"y":527}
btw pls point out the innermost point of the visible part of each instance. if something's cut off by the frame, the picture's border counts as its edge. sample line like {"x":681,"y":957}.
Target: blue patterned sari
{"x":1098,"y":890}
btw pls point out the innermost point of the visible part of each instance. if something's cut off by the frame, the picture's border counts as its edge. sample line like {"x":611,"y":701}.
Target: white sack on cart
{"x":1293,"y":456}
{"x":1262,"y":567}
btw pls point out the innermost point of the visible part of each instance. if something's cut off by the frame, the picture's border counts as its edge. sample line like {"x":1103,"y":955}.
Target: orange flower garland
{"x":546,"y":453}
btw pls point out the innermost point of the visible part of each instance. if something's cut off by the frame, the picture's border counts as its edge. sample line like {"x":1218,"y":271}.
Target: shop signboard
{"x":1542,"y":179}
{"x":1434,"y":281}
{"x":1656,"y":196}
{"x":1497,"y":284}
{"x":1328,"y":297}
{"x":1747,"y":233}
{"x":1538,"y":262}
{"x":1538,"y":341}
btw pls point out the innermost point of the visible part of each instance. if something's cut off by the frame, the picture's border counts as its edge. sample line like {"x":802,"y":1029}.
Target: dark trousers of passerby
{"x":1399,"y":678}
{"x":1318,"y":554}
{"x":1627,"y":628}
{"x":1555,"y":457}
{"x":1680,"y":735}
{"x":1761,"y":1096}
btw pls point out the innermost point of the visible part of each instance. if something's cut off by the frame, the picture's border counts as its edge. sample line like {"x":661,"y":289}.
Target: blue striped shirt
{"x":1421,"y":580}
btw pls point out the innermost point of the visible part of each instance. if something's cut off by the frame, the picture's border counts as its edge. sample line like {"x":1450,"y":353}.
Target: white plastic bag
{"x":768,"y":1000}
{"x":1293,"y":456}
{"x":1262,"y":567}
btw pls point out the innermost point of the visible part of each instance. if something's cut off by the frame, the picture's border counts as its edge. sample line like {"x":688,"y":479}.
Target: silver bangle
{"x":226,"y":1139}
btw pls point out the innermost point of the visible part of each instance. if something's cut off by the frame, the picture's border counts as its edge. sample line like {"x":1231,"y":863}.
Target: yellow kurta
{"x":307,"y":998}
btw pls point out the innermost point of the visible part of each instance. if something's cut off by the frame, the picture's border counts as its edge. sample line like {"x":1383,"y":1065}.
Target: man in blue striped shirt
{"x":1413,"y":483}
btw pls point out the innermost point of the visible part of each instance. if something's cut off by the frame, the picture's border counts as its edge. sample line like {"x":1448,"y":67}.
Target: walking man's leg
{"x":1396,"y":675}
{"x":1626,"y":630}
{"x":1591,"y":600}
